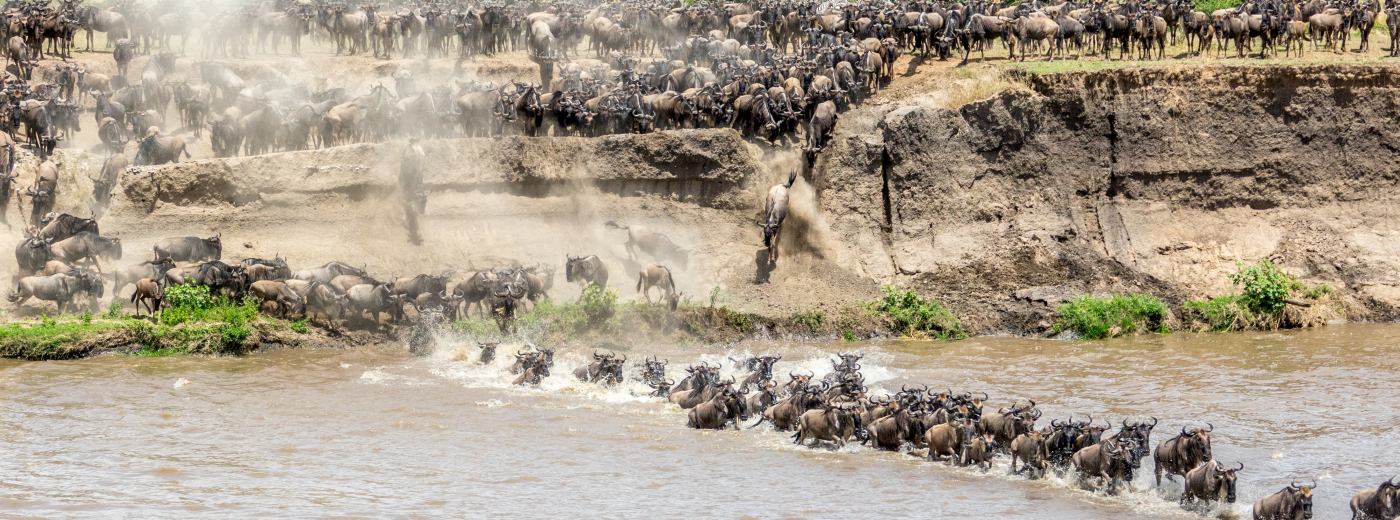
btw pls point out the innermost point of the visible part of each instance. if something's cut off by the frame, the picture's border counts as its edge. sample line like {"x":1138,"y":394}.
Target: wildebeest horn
{"x":1241,"y":468}
{"x":1210,"y":427}
{"x":1056,"y":422}
{"x":1125,"y":423}
{"x":1184,"y":433}
{"x":985,"y":396}
{"x":1154,"y":422}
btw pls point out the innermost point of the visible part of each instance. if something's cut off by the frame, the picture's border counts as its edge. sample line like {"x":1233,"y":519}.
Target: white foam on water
{"x":459,"y":362}
{"x":181,"y":382}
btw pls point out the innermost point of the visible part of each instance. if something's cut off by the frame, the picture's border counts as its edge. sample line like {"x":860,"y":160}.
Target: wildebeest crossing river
{"x":376,"y":432}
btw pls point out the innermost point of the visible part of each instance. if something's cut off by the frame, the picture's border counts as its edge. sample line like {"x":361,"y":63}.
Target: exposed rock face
{"x":706,"y":167}
{"x":1153,"y":180}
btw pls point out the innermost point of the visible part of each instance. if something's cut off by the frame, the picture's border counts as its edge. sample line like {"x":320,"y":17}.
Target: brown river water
{"x":377,"y":432}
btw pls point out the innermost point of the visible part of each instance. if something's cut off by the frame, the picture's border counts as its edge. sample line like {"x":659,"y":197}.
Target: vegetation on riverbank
{"x":1093,"y":317}
{"x":194,"y":323}
{"x":1267,"y":299}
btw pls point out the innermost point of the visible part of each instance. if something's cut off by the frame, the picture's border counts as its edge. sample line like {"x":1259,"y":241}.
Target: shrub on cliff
{"x":1094,"y":317}
{"x":916,"y":316}
{"x":1268,"y":298}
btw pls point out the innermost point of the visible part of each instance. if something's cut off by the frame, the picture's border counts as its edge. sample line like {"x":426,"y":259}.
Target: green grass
{"x":811,"y":320}
{"x":916,"y":316}
{"x":195,"y":324}
{"x":52,"y":339}
{"x":1263,"y":292}
{"x":1097,"y":318}
{"x":1219,"y":314}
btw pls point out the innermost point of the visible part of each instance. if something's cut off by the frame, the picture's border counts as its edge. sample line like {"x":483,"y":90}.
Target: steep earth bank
{"x":1154,"y":179}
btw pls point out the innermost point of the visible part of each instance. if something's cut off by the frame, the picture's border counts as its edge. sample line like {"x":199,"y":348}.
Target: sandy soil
{"x":497,"y":201}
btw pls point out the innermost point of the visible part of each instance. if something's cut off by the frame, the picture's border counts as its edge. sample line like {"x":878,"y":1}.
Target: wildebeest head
{"x":654,"y":370}
{"x":1224,"y":481}
{"x":488,"y":351}
{"x":1196,"y":442}
{"x":1303,"y":498}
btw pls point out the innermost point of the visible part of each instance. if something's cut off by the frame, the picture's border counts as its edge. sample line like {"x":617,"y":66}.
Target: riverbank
{"x":1267,"y":299}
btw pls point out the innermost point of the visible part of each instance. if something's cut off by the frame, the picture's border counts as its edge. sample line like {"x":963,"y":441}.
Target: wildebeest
{"x":32,"y":253}
{"x":58,"y":288}
{"x":660,"y":277}
{"x":1009,"y":423}
{"x":775,"y":210}
{"x":1059,"y":445}
{"x":533,"y":369}
{"x":488,"y":352}
{"x":893,"y":430}
{"x":976,"y":447}
{"x":87,"y":246}
{"x":1211,"y":482}
{"x":1030,"y":448}
{"x":158,"y":149}
{"x":189,"y":249}
{"x":944,"y":440}
{"x":474,"y":291}
{"x":44,"y":193}
{"x":726,"y":406}
{"x":325,"y":273}
{"x":375,"y":299}
{"x":1107,"y":460}
{"x":420,"y":284}
{"x":653,"y":243}
{"x":760,"y":370}
{"x":278,"y":293}
{"x":61,"y":226}
{"x":833,"y":422}
{"x":321,"y":300}
{"x":586,"y":271}
{"x":1290,"y":503}
{"x":1182,"y":453}
{"x":149,"y":293}
{"x":1382,"y":503}
{"x":153,"y":269}
{"x":605,"y":369}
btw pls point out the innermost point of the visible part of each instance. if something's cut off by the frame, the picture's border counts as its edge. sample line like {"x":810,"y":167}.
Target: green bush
{"x":915,"y":316}
{"x":812,"y":320}
{"x":299,"y":326}
{"x":188,"y":296}
{"x":1264,"y":287}
{"x":599,"y":304}
{"x":1097,"y":318}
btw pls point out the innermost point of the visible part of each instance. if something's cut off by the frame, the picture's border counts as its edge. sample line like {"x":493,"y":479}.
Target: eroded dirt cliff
{"x":1154,"y":180}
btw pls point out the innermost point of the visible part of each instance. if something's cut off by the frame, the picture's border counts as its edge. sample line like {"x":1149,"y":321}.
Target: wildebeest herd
{"x":955,"y":427}
{"x":61,"y":262}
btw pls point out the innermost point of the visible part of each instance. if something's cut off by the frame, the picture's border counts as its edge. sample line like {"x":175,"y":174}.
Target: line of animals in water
{"x":948,"y":426}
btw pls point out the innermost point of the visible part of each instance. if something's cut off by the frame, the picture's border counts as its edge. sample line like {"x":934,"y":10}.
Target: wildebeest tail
{"x":792,"y":177}
{"x":640,"y":277}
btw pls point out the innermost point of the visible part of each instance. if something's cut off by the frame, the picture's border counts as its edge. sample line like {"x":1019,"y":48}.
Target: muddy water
{"x":375,"y":432}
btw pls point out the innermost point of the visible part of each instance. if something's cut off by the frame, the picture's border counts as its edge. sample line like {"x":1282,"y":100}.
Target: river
{"x":375,"y":432}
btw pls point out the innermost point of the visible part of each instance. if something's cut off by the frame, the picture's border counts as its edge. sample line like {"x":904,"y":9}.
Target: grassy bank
{"x":1264,"y":298}
{"x":195,"y":323}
